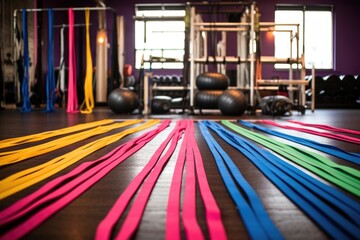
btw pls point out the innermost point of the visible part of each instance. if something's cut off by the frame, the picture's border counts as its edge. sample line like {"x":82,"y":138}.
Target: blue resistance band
{"x":337,"y":214}
{"x":26,"y":105}
{"x":250,"y":208}
{"x":50,"y":79}
{"x":332,"y":150}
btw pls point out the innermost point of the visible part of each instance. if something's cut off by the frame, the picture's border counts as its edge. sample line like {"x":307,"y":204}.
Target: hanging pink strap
{"x":327,"y":127}
{"x":72,"y":102}
{"x":59,"y":192}
{"x":340,"y":137}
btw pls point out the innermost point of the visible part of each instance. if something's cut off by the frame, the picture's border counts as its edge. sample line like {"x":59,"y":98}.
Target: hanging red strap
{"x":72,"y":102}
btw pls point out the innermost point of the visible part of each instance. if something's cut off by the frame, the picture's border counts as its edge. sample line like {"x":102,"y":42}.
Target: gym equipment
{"x":332,"y":85}
{"x":129,"y":81}
{"x":123,"y":101}
{"x":161,"y":104}
{"x":212,"y":81}
{"x":207,"y":99}
{"x":276,"y":105}
{"x":232,"y":102}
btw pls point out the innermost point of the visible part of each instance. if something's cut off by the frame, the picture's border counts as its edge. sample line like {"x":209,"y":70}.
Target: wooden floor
{"x":79,"y":219}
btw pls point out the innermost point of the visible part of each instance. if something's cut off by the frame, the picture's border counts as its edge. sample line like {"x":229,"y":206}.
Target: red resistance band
{"x":189,"y":153}
{"x":72,"y":103}
{"x":340,"y":137}
{"x":327,"y":127}
{"x":56,"y":194}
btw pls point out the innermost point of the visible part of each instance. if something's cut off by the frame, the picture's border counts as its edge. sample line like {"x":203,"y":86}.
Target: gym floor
{"x":80,"y":218}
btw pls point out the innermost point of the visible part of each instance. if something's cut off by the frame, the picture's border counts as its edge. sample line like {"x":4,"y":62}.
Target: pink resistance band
{"x":327,"y":127}
{"x":153,"y":170}
{"x":155,"y":166}
{"x":58,"y":193}
{"x":194,"y":166}
{"x":340,"y":137}
{"x":72,"y":103}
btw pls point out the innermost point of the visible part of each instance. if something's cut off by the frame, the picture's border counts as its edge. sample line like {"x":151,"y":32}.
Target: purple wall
{"x":346,"y":35}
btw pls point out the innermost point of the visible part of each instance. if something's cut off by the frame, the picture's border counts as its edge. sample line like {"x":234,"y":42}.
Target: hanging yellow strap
{"x":15,"y":156}
{"x":88,"y":103}
{"x":26,"y":178}
{"x":10,"y":142}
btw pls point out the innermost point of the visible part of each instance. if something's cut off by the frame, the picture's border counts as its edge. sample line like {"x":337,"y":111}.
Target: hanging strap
{"x":88,"y":103}
{"x":340,"y":137}
{"x":345,"y":177}
{"x":332,"y":210}
{"x":250,"y":208}
{"x":332,"y":150}
{"x":58,"y":193}
{"x":72,"y":102}
{"x":50,"y":78}
{"x":28,"y":177}
{"x":10,"y":142}
{"x":26,"y":105}
{"x":11,"y":157}
{"x":327,"y":127}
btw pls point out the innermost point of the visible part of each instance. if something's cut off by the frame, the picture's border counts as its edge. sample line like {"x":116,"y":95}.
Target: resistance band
{"x":337,"y":214}
{"x":250,"y":208}
{"x":15,"y":156}
{"x":28,"y":177}
{"x":154,"y":166}
{"x":340,"y":137}
{"x":88,"y":103}
{"x":58,"y":193}
{"x":10,"y":142}
{"x":327,"y":127}
{"x":190,"y":154}
{"x":345,"y":177}
{"x":72,"y":100}
{"x":50,"y":79}
{"x":332,"y":150}
{"x":26,"y":105}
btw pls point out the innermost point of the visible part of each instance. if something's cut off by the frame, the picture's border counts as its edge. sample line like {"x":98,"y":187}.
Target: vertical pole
{"x":101,"y":60}
{"x":252,"y":55}
{"x":313,"y":89}
{"x":192,"y":64}
{"x":121,"y":44}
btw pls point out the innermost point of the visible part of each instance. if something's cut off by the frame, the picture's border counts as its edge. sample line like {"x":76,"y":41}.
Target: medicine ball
{"x":123,"y":101}
{"x":212,"y":81}
{"x":232,"y":102}
{"x":207,"y":99}
{"x":160,"y":104}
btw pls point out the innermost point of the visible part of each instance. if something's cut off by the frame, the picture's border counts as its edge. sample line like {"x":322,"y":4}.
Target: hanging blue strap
{"x":253,"y":213}
{"x":332,"y":150}
{"x":50,"y":79}
{"x":337,"y":214}
{"x":26,"y":105}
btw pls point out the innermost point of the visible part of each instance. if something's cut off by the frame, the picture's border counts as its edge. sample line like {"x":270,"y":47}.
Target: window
{"x":315,"y":34}
{"x":160,"y":33}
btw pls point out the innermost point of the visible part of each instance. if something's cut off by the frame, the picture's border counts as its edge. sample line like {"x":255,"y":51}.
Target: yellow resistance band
{"x":88,"y":103}
{"x":10,"y":142}
{"x":26,"y":178}
{"x":15,"y":156}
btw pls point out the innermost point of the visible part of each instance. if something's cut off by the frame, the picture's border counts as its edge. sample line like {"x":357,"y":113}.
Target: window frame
{"x":163,"y":63}
{"x":304,"y":9}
